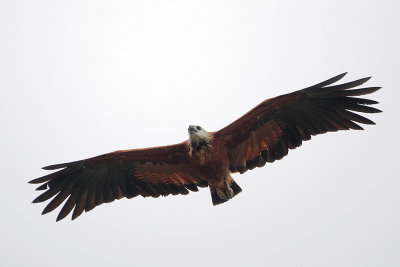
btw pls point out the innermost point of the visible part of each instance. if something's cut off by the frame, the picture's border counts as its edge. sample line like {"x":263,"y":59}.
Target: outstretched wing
{"x":265,"y":133}
{"x":102,"y":179}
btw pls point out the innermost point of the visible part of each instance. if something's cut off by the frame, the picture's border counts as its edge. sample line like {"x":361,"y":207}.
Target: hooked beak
{"x":192,"y":129}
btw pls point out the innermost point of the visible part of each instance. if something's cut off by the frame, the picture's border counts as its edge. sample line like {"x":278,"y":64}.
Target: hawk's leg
{"x":225,"y":192}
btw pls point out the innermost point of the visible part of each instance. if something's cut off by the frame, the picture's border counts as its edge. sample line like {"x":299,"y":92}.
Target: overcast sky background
{"x":82,"y":78}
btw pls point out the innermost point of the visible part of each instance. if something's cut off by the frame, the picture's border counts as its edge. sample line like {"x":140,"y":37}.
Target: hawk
{"x":207,"y":159}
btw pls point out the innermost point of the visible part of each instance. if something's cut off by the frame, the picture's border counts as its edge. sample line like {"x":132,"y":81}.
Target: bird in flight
{"x":207,"y":159}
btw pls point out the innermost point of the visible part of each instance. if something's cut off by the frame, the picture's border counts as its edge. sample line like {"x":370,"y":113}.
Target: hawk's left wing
{"x":266,"y":132}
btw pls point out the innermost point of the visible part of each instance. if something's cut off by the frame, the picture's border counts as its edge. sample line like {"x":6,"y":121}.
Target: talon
{"x":225,"y":193}
{"x":230,"y":192}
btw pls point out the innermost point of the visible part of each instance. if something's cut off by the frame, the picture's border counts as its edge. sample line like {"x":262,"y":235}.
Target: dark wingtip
{"x":60,"y":217}
{"x":54,"y":167}
{"x":363,"y":80}
{"x":359,"y":128}
{"x":64,"y":165}
{"x":36,"y":200}
{"x":338,"y":77}
{"x":74,"y":216}
{"x":42,"y":187}
{"x":36,"y":181}
{"x":328,"y":82}
{"x":45,"y":211}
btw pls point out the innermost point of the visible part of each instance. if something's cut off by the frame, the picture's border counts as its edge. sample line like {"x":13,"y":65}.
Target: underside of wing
{"x":268,"y":131}
{"x":88,"y":183}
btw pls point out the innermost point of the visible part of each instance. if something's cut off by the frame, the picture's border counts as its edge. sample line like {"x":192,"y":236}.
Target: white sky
{"x":82,"y":78}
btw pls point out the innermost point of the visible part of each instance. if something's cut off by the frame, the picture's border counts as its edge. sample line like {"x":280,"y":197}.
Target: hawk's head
{"x":198,"y":138}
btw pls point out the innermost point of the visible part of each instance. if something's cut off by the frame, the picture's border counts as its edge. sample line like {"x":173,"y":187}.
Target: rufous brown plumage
{"x":264,"y":134}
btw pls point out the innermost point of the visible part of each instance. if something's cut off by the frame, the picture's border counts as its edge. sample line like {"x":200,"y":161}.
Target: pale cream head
{"x":197,"y":134}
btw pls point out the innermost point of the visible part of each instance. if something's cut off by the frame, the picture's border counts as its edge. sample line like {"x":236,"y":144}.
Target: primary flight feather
{"x":264,"y":134}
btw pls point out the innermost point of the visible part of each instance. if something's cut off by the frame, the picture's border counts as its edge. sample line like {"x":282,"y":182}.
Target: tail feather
{"x":216,"y":200}
{"x":236,"y":188}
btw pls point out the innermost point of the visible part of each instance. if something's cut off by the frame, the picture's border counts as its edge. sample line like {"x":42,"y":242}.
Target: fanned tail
{"x":217,"y":199}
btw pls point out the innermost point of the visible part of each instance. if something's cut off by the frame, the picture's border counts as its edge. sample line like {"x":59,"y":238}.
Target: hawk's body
{"x":264,"y":134}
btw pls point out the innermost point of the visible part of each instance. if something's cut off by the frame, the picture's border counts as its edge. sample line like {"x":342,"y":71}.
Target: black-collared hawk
{"x":207,"y":159}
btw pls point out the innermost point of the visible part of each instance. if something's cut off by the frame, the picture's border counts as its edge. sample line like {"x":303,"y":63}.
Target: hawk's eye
{"x":198,"y":128}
